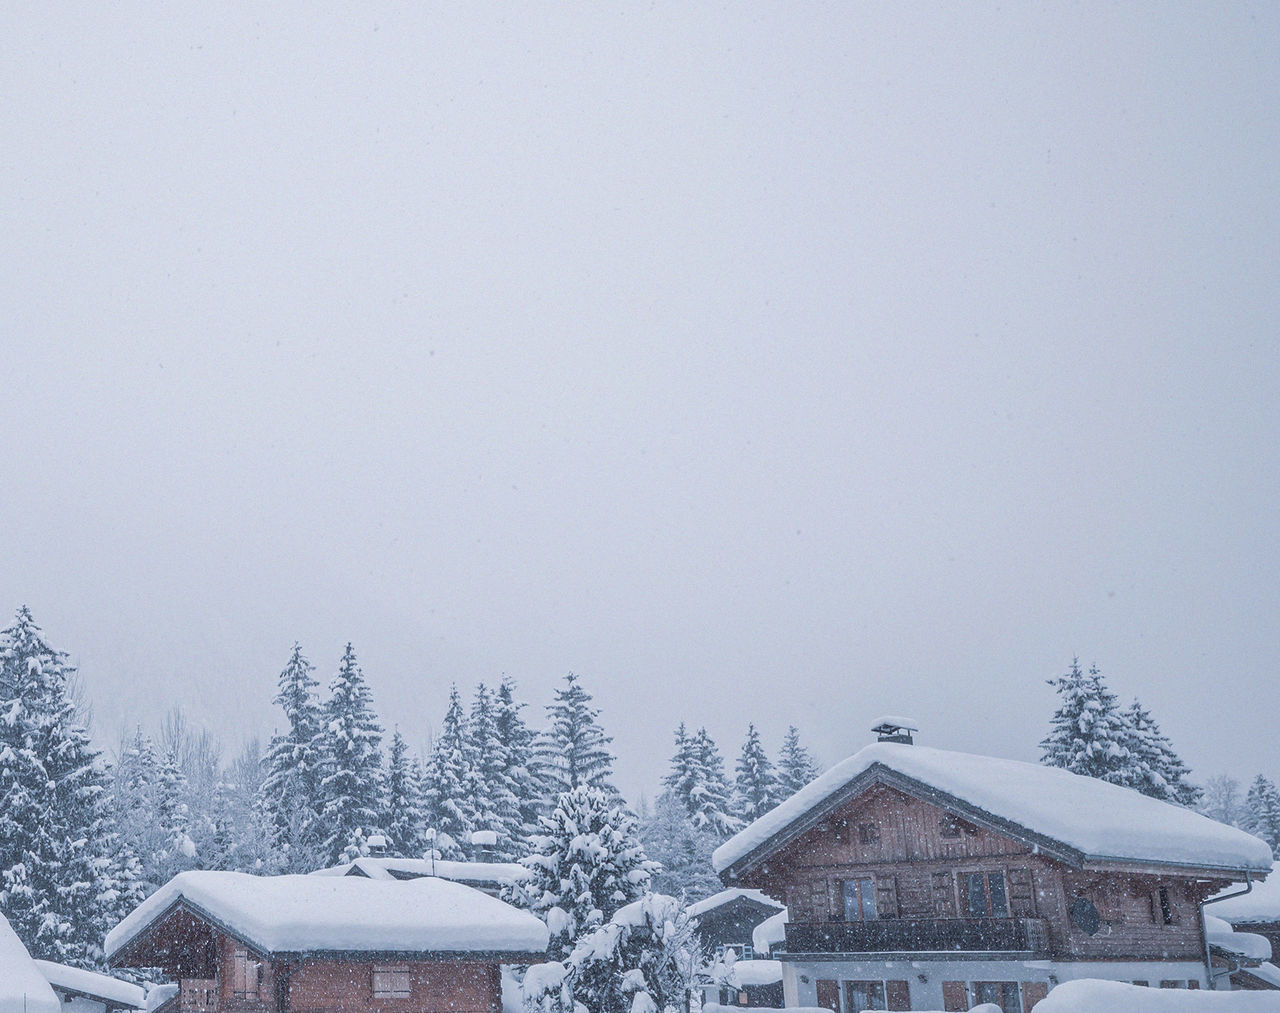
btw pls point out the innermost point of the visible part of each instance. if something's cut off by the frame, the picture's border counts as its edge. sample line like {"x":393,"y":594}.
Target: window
{"x":859,"y":899}
{"x":949,"y":826}
{"x":860,"y":995}
{"x":985,"y":896}
{"x":868,"y":833}
{"x":244,"y":975}
{"x":391,"y":983}
{"x":1161,"y":908}
{"x":1003,"y":993}
{"x":741,"y":952}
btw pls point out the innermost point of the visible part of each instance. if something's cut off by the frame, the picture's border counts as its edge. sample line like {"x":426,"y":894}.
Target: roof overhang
{"x":880,"y":774}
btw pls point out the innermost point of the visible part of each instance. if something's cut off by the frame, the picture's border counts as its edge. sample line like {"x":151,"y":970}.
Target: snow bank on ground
{"x":92,"y":984}
{"x":1104,"y":821}
{"x":285,"y":914}
{"x":725,"y":896}
{"x":1088,"y":995}
{"x":1261,"y":904}
{"x":1246,"y":944}
{"x":23,"y":989}
{"x":715,"y":1007}
{"x":770,"y":933}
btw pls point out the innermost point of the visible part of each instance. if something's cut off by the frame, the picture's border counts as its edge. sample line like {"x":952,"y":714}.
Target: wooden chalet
{"x":918,"y":878}
{"x":326,"y":944}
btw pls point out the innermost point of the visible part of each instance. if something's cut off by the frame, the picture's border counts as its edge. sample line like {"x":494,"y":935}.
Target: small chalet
{"x":487,"y":877}
{"x":1256,"y":912}
{"x":82,"y":991}
{"x":726,"y":921}
{"x":303,"y":944}
{"x":918,"y":878}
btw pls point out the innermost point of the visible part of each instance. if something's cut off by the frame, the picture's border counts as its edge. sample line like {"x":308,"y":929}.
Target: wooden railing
{"x":920,"y":935}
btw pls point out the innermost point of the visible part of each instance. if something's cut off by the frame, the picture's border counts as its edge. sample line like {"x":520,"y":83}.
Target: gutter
{"x":1204,"y":931}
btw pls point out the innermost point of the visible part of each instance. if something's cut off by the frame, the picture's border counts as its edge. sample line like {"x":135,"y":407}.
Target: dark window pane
{"x":995,"y":885}
{"x":868,"y":901}
{"x":862,"y":995}
{"x":849,"y":896}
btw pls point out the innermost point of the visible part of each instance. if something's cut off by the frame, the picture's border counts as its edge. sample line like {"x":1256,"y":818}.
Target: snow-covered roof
{"x":158,"y":995}
{"x":770,"y":932}
{"x":500,"y":873}
{"x":1089,"y":819}
{"x":1096,"y":996}
{"x":896,"y":721}
{"x":1243,"y":944}
{"x":1268,"y":972}
{"x":23,"y":989}
{"x":758,"y":972}
{"x":1261,"y":904}
{"x":289,"y":914}
{"x":727,"y":896}
{"x":103,"y":987}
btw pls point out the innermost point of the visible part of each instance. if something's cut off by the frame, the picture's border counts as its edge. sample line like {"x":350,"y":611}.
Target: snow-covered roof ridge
{"x":23,"y":989}
{"x":727,"y":896}
{"x":1091,"y":818}
{"x":462,"y":872}
{"x":93,"y":984}
{"x":1260,"y":904}
{"x":895,"y":721}
{"x":289,"y":914}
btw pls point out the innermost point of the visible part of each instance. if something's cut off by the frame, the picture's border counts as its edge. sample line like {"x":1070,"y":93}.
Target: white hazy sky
{"x":776,"y":362}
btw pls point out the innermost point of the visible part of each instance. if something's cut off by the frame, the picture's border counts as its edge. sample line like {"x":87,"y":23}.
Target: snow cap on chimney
{"x":894,"y":728}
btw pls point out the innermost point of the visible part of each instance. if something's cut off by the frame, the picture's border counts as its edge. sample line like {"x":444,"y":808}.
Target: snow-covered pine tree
{"x":172,"y":819}
{"x":290,"y":797}
{"x":1088,"y":734}
{"x":682,"y":849}
{"x":530,"y":793}
{"x":352,"y":786}
{"x":585,"y":864}
{"x":683,"y":779}
{"x":495,"y":800}
{"x":1262,"y":812}
{"x":756,"y":785}
{"x":697,"y":779}
{"x":795,"y":766}
{"x":1154,"y":768}
{"x":450,"y":783}
{"x":406,"y":818}
{"x":65,"y":877}
{"x":571,"y":751}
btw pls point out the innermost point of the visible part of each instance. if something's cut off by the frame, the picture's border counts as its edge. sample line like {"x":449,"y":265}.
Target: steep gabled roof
{"x":75,"y":982}
{"x":718,"y":900}
{"x":309,"y":914}
{"x":23,"y":989}
{"x":1077,"y":819}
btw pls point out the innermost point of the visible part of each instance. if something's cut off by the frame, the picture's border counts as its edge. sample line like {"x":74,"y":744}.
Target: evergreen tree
{"x":795,"y":766}
{"x":529,"y":792}
{"x":1262,"y":812}
{"x":171,"y":818}
{"x":406,"y":818}
{"x":451,"y":783}
{"x":1088,"y":734}
{"x":352,"y":785}
{"x":683,"y":850}
{"x":494,"y":798}
{"x":290,"y":797}
{"x":65,"y":877}
{"x":697,"y":779}
{"x":585,"y":864}
{"x":572,"y":751}
{"x":1154,"y":768}
{"x":756,"y":786}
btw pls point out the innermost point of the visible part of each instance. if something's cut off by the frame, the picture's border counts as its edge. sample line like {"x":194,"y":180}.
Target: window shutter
{"x":944,"y":895}
{"x":897,"y":995}
{"x":1032,"y":993}
{"x":886,"y":896}
{"x":955,"y":998}
{"x":1022,"y":897}
{"x":829,"y":994}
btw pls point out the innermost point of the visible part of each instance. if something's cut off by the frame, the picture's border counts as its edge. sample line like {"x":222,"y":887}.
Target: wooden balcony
{"x":921,"y":935}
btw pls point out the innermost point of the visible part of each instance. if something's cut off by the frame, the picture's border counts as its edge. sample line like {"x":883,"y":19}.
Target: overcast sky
{"x":790,"y":363}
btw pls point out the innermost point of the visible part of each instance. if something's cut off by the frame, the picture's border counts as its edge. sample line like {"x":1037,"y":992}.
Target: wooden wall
{"x":346,"y":986}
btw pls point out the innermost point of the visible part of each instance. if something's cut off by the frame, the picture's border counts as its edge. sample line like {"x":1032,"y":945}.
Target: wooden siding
{"x":917,"y":854}
{"x":320,"y":985}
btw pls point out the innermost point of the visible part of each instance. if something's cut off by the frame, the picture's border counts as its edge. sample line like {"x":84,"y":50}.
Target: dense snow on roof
{"x":726,"y":896}
{"x":461,"y":872}
{"x":1089,"y":995}
{"x":1101,"y":820}
{"x":93,"y":984}
{"x":1261,"y":904}
{"x":158,"y":995}
{"x":23,"y":989}
{"x":297,"y":913}
{"x":1243,"y":944}
{"x":770,"y":932}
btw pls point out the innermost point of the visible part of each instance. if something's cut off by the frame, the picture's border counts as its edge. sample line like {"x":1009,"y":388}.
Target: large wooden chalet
{"x":918,"y":878}
{"x":323,"y":944}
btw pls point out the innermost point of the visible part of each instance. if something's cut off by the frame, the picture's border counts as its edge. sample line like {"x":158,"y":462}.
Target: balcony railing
{"x":920,"y":935}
